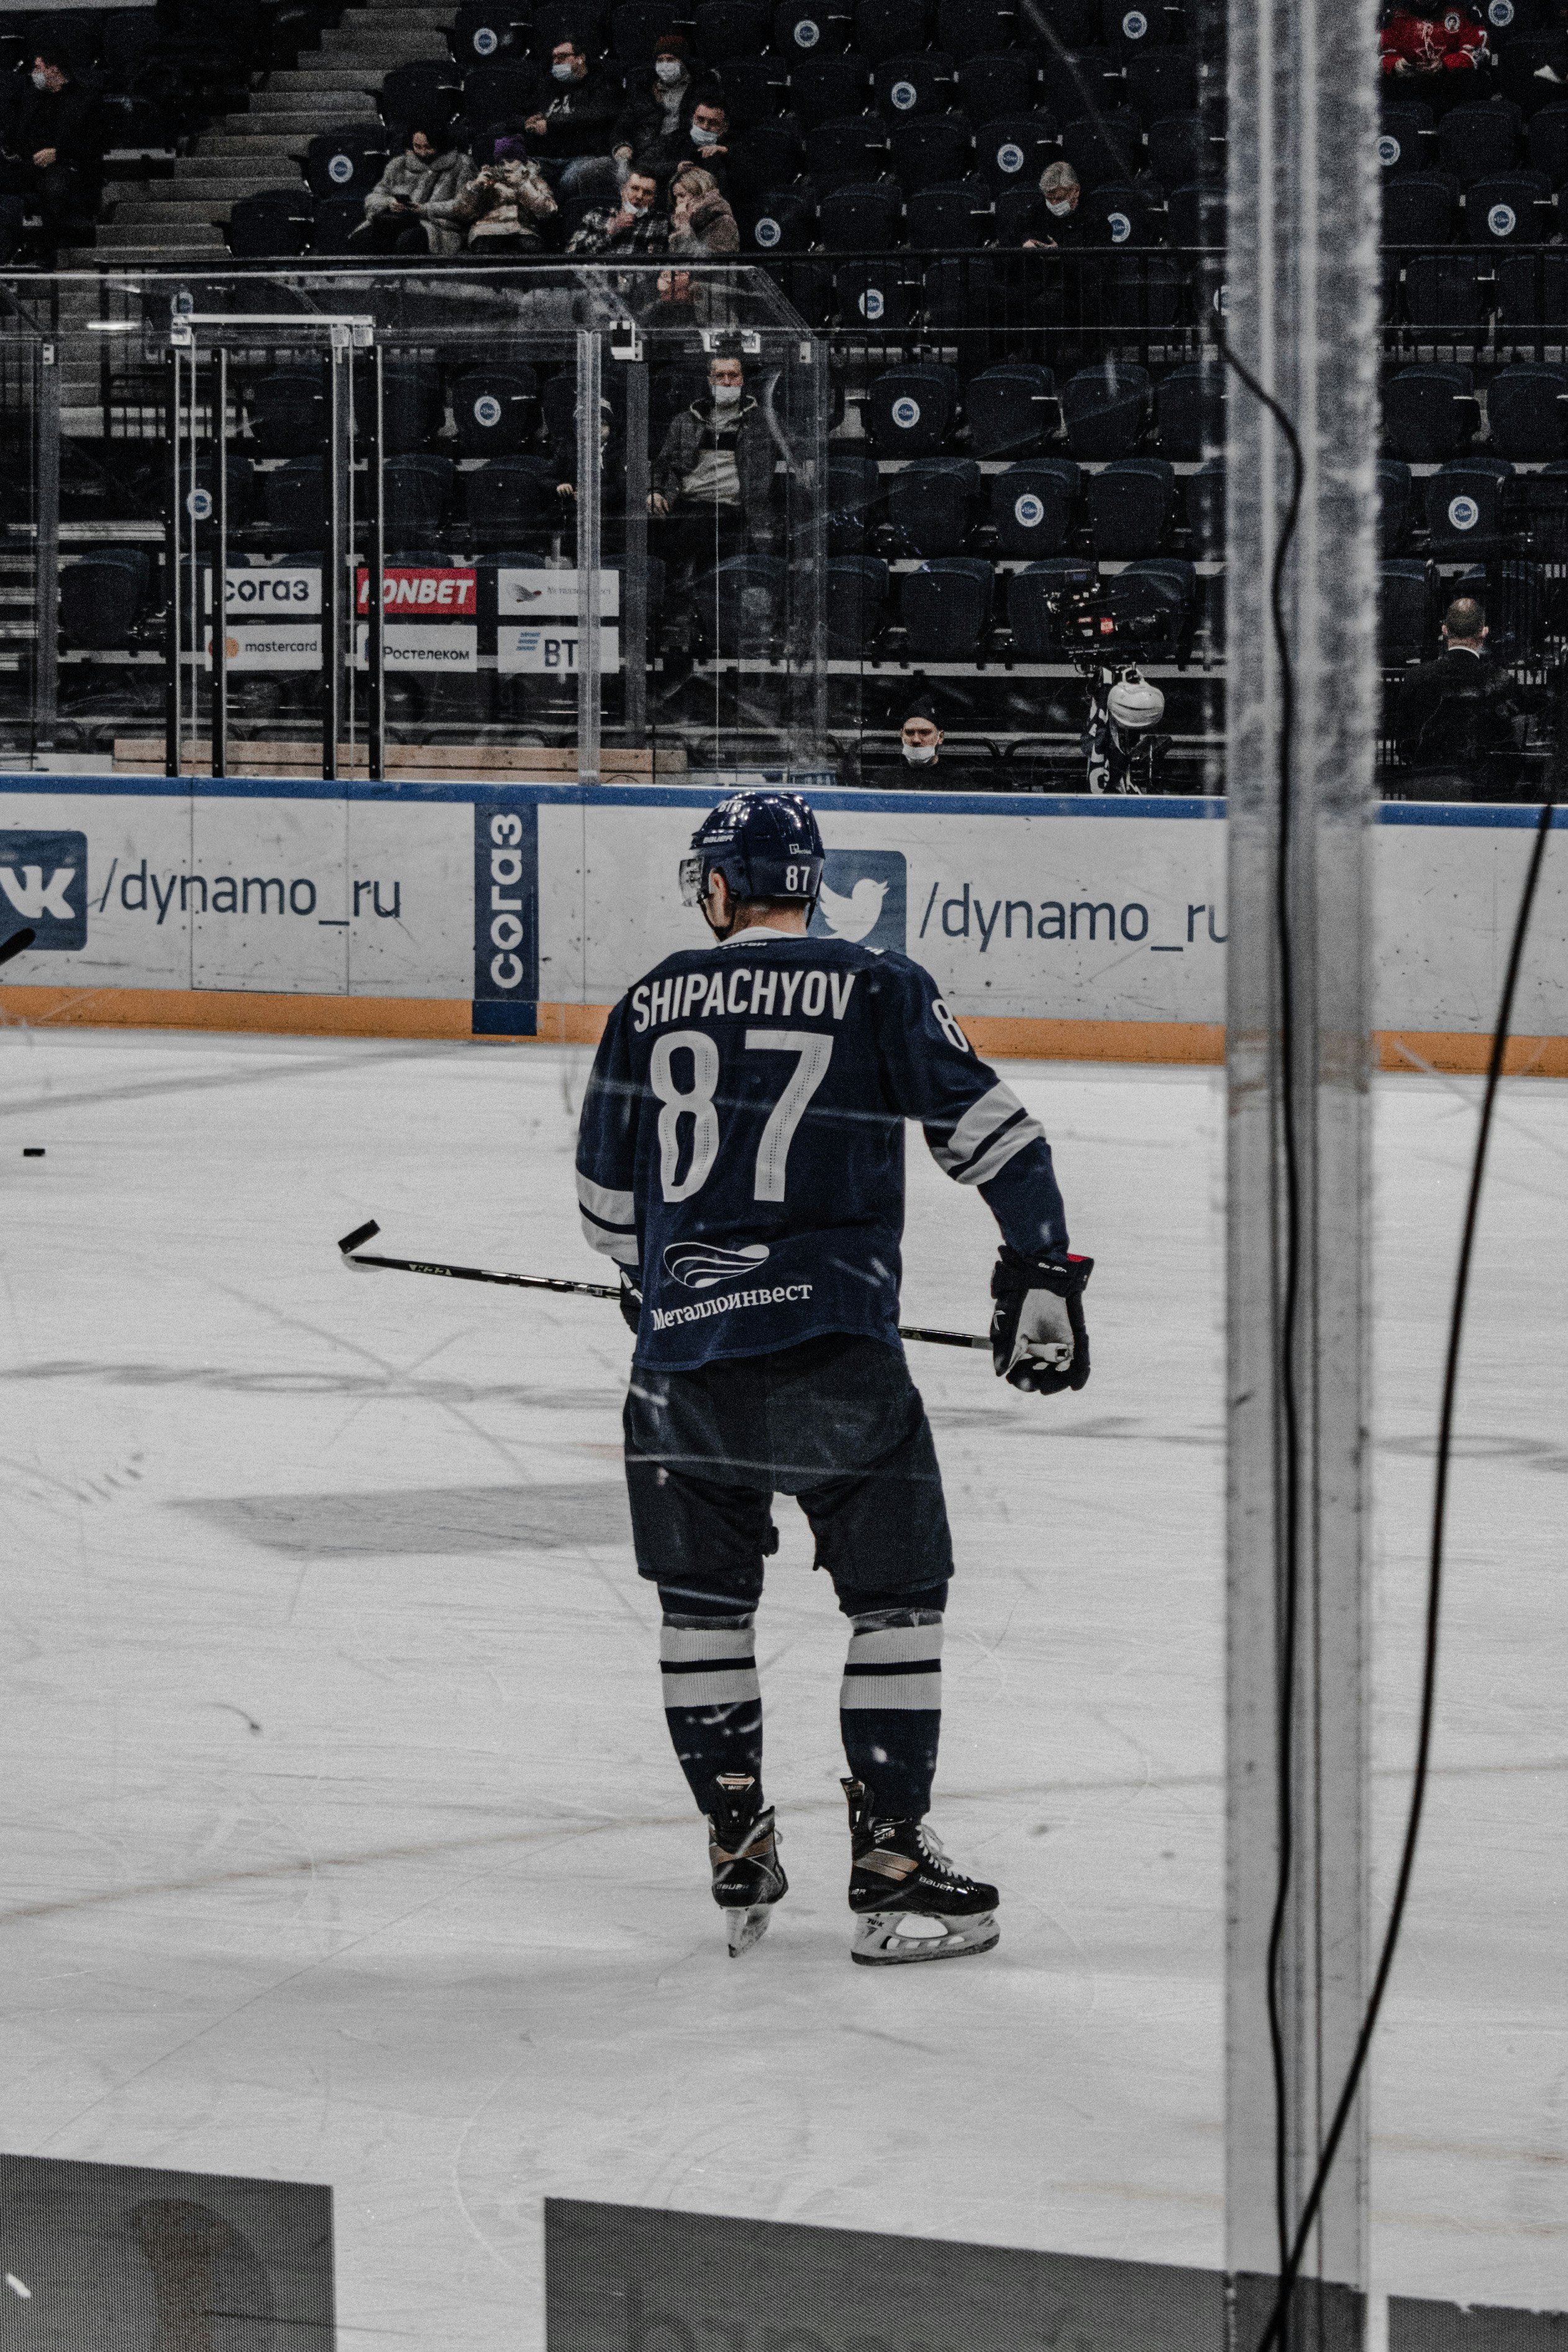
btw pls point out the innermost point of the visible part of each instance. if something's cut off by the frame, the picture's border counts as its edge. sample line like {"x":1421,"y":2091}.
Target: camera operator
{"x":1460,"y":723}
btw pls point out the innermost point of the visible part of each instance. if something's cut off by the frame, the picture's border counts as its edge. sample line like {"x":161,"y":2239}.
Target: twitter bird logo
{"x":863,"y":899}
{"x":854,"y":917}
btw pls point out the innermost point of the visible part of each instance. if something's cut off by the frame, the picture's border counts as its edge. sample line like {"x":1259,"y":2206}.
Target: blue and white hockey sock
{"x":890,"y":1708}
{"x":712,"y":1700}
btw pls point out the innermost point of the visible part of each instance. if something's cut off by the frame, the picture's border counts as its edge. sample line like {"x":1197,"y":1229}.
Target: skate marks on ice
{"x":439,"y":1522}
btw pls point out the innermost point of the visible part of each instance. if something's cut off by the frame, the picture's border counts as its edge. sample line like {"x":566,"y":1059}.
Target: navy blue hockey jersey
{"x":742,"y":1142}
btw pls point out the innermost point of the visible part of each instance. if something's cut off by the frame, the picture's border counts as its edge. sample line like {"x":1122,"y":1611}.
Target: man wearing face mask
{"x":634,"y":230}
{"x":571,"y":131}
{"x":713,"y":478}
{"x":53,"y":149}
{"x":653,"y":128}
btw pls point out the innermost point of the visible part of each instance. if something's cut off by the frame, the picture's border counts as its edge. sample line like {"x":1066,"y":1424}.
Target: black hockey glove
{"x":631,"y":1299}
{"x":1038,"y":1337}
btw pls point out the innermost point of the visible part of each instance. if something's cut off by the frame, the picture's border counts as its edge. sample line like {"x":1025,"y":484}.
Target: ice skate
{"x":910,"y":1902}
{"x":742,"y":1846}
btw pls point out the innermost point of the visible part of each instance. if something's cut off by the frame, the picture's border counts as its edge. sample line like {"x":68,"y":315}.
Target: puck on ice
{"x":32,"y":1151}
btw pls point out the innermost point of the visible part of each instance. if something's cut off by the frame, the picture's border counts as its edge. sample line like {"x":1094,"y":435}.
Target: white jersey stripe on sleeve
{"x":992,"y":1161}
{"x":612,"y":1208}
{"x":979,"y":1124}
{"x":622,"y":1247}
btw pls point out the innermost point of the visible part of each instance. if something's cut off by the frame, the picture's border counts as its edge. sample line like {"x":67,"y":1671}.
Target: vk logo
{"x":864,"y":899}
{"x":43,"y":881}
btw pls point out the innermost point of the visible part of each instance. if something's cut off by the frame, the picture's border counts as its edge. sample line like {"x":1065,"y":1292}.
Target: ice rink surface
{"x":341,"y":1839}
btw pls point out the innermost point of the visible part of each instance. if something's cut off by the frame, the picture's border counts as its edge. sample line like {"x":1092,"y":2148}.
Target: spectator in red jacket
{"x":1422,"y":37}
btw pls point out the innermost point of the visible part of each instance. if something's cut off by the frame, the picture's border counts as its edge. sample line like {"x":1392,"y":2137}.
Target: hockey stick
{"x":352,"y":1256}
{"x":18,"y":942}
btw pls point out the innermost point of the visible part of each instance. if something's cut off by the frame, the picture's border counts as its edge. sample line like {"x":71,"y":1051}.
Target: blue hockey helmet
{"x":765,"y":845}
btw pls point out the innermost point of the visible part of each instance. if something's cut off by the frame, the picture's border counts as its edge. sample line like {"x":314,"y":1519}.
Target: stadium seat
{"x":855,"y":605}
{"x":1129,"y":504}
{"x":669,"y":390}
{"x":1468,"y":507}
{"x":855,"y":148}
{"x":931,"y":506}
{"x":755,"y":93}
{"x":288,"y":413}
{"x":866,"y":217}
{"x":1203,"y":504}
{"x":348,"y":162}
{"x":499,"y":93}
{"x":1189,"y":415}
{"x":1418,"y":208}
{"x":1195,"y":216}
{"x":1394,"y":505}
{"x":989,"y":87}
{"x":635,"y":26}
{"x":975,"y":28}
{"x":951,"y":219}
{"x":925,"y":82}
{"x":828,"y":88}
{"x":417,"y":494}
{"x":738,"y":607}
{"x":1104,"y":409}
{"x":1429,"y":412}
{"x":1152,"y":601}
{"x":1178,"y":149}
{"x":103,"y":597}
{"x":946,"y":608}
{"x":1447,"y":291}
{"x":277,"y":221}
{"x":731,"y":28}
{"x":511,"y":500}
{"x":495,"y":410}
{"x":1404,"y":610}
{"x":1131,"y":25}
{"x":965,"y":294}
{"x":1062,"y":87}
{"x":1013,"y":150}
{"x":909,"y":410}
{"x":576,"y":20}
{"x":1527,"y":411}
{"x":1479,"y":140}
{"x":805,"y":28}
{"x":1510,"y":208}
{"x":1124,"y":210}
{"x":1518,"y":67}
{"x":1549,"y":144}
{"x":1162,"y":82}
{"x":411,"y":403}
{"x":1545,"y":498}
{"x":336,"y":219}
{"x":428,"y":90}
{"x":782,"y":221}
{"x":768,"y":157}
{"x":1109,"y":148}
{"x":1033,"y":506}
{"x":931,"y":149}
{"x":1035,"y":637}
{"x":1404,"y":137}
{"x":1011,"y":409}
{"x":886,"y":29}
{"x":854,"y":499}
{"x":483,"y":29}
{"x":1141,"y":293}
{"x":294,"y":496}
{"x":880,"y":295}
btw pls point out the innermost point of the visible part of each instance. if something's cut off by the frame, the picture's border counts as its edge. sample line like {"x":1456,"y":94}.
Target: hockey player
{"x":1423,"y":38}
{"x":741,"y":1159}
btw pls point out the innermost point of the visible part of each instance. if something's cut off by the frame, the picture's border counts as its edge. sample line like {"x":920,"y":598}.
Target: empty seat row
{"x":1431,"y":412}
{"x":1459,"y":291}
{"x":1502,"y":208}
{"x":1106,"y":410}
{"x":1032,"y":509}
{"x":1472,"y":141}
{"x":947,"y":609}
{"x":1473,"y":507}
{"x":813,"y":89}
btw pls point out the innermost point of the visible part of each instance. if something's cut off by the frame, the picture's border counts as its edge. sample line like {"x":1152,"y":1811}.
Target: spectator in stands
{"x":713,"y":476}
{"x":1460,"y":713}
{"x":1061,"y":218}
{"x":506,"y":205}
{"x":920,"y":739}
{"x":700,"y":221}
{"x":1424,"y":39}
{"x":413,"y":207}
{"x":634,"y":228}
{"x":651,"y":127}
{"x":54,"y":147}
{"x":572,"y":133}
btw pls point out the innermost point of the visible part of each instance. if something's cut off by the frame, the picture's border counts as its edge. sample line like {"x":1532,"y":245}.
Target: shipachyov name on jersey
{"x":691,"y":995}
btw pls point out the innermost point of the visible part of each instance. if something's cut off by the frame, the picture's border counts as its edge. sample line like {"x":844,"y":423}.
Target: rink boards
{"x":1055,"y":927}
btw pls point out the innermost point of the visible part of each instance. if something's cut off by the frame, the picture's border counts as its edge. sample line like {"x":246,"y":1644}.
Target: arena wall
{"x":1066,"y":928}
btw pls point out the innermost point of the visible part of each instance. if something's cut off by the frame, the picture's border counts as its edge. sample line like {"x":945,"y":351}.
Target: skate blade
{"x":745,"y":1928}
{"x":883,"y":1939}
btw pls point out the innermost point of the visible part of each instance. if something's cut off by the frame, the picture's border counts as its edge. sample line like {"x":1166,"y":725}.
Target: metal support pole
{"x":1302,"y":313}
{"x":589,"y":466}
{"x":334,"y":556}
{"x":375,"y":594}
{"x":220,"y":570}
{"x":173,"y":633}
{"x":46,"y":552}
{"x":634,"y":565}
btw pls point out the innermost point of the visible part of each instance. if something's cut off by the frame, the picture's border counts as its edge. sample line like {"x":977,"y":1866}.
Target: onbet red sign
{"x":426,"y":591}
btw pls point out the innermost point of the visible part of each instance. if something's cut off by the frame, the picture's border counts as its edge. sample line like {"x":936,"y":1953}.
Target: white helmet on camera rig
{"x":1133,"y":706}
